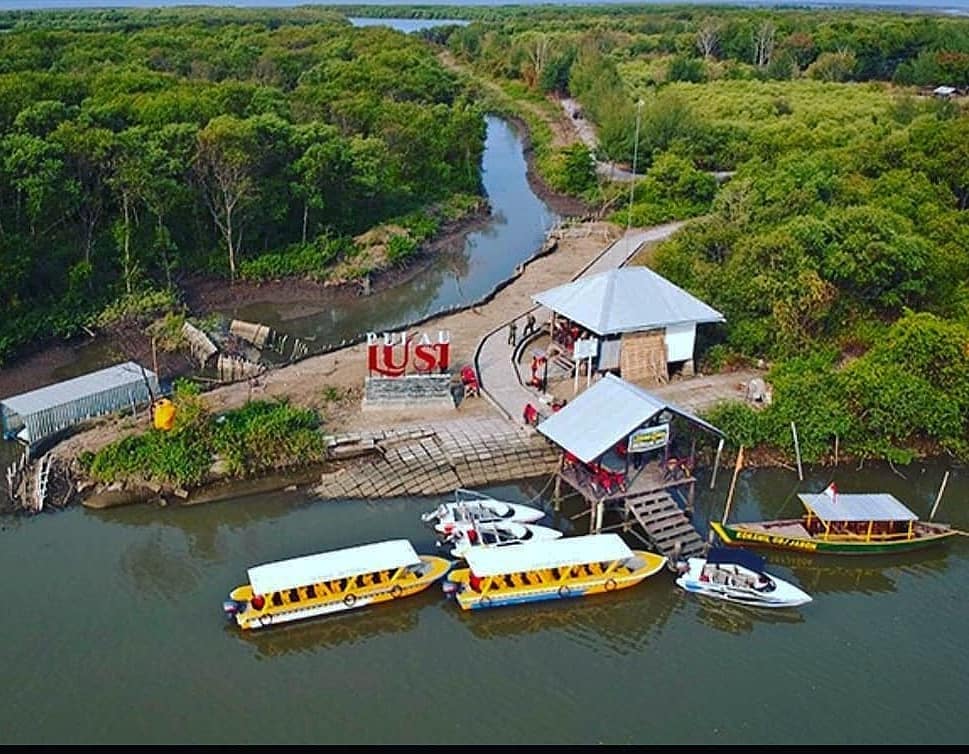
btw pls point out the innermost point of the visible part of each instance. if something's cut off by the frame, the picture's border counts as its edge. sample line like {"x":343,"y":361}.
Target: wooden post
{"x":733,"y":483}
{"x":939,"y":496}
{"x":716,"y":463}
{"x":154,"y":358}
{"x":557,"y":493}
{"x":599,"y":509}
{"x":797,"y":452}
{"x":835,"y":450}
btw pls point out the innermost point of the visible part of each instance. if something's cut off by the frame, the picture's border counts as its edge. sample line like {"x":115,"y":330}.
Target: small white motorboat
{"x":738,"y":576}
{"x":495,"y":534}
{"x":469,"y":507}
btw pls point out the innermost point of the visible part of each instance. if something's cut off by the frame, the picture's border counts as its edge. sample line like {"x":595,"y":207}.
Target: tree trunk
{"x":126,"y":210}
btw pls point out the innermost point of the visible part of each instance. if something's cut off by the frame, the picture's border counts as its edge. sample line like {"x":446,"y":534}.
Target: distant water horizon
{"x":956,"y":7}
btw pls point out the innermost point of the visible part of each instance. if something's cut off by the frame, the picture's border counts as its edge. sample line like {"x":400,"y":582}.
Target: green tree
{"x":225,"y":162}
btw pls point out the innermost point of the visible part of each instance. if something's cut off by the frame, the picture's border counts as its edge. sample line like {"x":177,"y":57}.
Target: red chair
{"x":530,"y":414}
{"x":470,"y":381}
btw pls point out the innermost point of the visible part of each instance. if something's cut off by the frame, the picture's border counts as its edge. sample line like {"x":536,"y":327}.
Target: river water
{"x":516,"y":230}
{"x":113,"y":633}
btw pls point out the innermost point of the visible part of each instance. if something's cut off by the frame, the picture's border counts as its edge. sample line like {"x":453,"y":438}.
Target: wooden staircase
{"x":666,"y":526}
{"x":560,"y":365}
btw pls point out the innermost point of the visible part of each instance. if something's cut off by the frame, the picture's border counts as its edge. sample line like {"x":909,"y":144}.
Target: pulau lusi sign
{"x":396,"y":354}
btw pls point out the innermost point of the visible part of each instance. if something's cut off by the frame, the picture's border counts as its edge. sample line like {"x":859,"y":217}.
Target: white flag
{"x":832,"y":492}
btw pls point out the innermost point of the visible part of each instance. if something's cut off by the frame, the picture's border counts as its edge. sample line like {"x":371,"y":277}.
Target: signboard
{"x":392,"y":354}
{"x":649,"y":438}
{"x":585,"y":349}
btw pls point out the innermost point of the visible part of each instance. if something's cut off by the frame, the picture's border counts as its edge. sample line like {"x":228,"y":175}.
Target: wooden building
{"x":635,"y":322}
{"x":628,"y":452}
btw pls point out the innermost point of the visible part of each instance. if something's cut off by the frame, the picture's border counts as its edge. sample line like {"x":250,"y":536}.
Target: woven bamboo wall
{"x":643,"y":357}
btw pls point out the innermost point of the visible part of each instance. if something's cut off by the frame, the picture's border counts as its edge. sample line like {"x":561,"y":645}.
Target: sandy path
{"x":333,"y":383}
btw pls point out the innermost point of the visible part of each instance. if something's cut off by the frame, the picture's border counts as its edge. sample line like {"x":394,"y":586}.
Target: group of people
{"x":566,"y":333}
{"x":513,"y":329}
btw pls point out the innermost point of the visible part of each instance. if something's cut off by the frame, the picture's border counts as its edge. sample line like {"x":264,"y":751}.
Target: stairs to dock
{"x":666,"y":526}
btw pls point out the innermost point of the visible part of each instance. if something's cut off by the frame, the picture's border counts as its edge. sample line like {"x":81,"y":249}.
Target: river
{"x":113,"y":633}
{"x":515,"y":232}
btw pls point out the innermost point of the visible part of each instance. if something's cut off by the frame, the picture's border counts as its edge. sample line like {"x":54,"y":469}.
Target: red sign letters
{"x":389,"y":354}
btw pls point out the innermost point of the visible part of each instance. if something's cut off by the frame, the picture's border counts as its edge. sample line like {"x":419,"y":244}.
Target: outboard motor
{"x":450,"y":587}
{"x":231,"y":608}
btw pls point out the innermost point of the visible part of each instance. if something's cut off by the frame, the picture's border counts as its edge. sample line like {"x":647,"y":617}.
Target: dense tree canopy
{"x":138,"y":147}
{"x":838,"y":248}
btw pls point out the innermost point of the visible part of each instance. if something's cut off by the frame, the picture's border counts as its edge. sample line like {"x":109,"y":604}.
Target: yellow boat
{"x":332,"y":582}
{"x":549,"y":569}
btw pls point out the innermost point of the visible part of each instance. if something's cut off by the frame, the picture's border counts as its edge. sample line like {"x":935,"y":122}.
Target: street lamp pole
{"x":632,"y":181}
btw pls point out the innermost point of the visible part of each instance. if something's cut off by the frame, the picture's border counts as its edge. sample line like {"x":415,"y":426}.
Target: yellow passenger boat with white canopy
{"x":550,"y":569}
{"x":332,"y":582}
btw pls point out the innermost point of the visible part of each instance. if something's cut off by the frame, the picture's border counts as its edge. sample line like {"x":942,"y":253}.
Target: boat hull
{"x":250,"y":619}
{"x":512,"y":534}
{"x":759,"y":535}
{"x":781,"y":595}
{"x":522,"y":514}
{"x":468,"y":599}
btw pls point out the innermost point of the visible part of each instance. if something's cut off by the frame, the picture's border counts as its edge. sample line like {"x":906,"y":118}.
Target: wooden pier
{"x":655,"y":507}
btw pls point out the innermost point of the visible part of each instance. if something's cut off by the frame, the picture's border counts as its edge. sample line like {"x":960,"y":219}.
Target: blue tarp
{"x":731,"y":555}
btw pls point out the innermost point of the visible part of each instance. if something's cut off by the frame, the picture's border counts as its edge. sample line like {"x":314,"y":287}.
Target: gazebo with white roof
{"x":644,"y":324}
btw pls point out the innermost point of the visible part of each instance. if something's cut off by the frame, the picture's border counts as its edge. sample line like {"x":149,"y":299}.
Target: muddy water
{"x":113,"y":634}
{"x":519,"y":225}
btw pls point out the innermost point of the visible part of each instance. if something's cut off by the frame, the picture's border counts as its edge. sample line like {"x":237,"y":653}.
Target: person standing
{"x":512,"y":334}
{"x":529,"y":324}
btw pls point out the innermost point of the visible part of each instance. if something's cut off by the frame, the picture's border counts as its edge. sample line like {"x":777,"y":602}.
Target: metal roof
{"x":93,"y":383}
{"x":867,"y":506}
{"x":604,"y":414}
{"x":549,"y":553}
{"x":626,"y":299}
{"x":336,"y":564}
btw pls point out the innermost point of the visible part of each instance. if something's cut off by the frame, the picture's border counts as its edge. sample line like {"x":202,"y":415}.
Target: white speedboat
{"x":469,"y":507}
{"x":495,"y":534}
{"x":738,"y":576}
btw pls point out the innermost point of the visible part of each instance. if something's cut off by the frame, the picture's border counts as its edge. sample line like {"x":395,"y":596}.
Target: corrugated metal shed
{"x":878,"y":506}
{"x":32,"y":416}
{"x":336,"y":564}
{"x":627,"y":299}
{"x":604,"y":414}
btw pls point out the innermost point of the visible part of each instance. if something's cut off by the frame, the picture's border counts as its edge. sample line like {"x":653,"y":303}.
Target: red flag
{"x":832,"y":492}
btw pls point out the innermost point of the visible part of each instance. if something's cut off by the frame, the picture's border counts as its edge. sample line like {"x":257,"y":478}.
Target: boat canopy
{"x":867,"y":506}
{"x":551,"y":553}
{"x":736,"y":556}
{"x":337,"y":564}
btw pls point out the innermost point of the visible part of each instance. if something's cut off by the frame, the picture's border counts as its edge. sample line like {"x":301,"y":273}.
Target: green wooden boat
{"x":840,"y":524}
